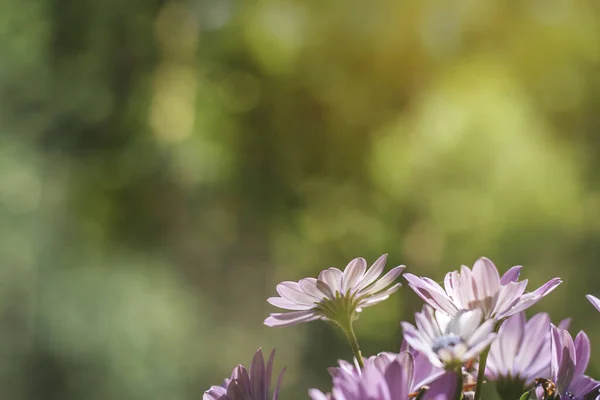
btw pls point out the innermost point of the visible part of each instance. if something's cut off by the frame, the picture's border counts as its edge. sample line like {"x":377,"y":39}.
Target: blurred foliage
{"x":165,"y":163}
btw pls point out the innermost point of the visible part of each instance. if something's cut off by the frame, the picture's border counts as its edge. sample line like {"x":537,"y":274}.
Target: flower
{"x":514,"y":361}
{"x":569,"y":359}
{"x":386,"y":376}
{"x":594,"y":300}
{"x":424,"y":371}
{"x":482,"y":289}
{"x":449,"y":341}
{"x":252,"y":384}
{"x":334,"y":294}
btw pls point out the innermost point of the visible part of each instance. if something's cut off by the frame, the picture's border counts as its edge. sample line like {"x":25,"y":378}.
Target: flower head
{"x":594,"y":300}
{"x":569,"y":359}
{"x":449,"y":341}
{"x":481,"y":288}
{"x":515,"y":359}
{"x":334,"y":293}
{"x":252,"y":384}
{"x":386,"y":376}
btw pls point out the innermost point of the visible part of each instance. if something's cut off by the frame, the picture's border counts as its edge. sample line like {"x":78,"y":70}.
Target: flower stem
{"x":349,"y":332}
{"x":481,"y":372}
{"x":458,"y":393}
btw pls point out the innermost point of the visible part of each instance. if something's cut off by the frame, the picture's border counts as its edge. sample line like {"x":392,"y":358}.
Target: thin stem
{"x":481,"y":372}
{"x":459,"y":384}
{"x":351,"y":336}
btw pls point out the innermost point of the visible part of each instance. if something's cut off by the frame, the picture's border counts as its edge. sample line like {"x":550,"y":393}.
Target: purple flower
{"x":449,"y":341}
{"x":482,"y":289}
{"x":386,"y":377}
{"x":594,"y":300}
{"x":569,"y":359}
{"x":514,"y":361}
{"x":252,"y":384}
{"x":334,"y":293}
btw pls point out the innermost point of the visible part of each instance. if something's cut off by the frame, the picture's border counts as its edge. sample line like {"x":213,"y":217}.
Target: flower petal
{"x":353,"y":273}
{"x":292,"y":292}
{"x":291,"y":318}
{"x":385,"y":281}
{"x":512,"y":275}
{"x":287,"y":304}
{"x":333,"y":278}
{"x":594,"y":300}
{"x":373,"y":272}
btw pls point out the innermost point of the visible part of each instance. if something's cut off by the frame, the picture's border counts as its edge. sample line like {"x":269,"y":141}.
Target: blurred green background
{"x":165,"y":163}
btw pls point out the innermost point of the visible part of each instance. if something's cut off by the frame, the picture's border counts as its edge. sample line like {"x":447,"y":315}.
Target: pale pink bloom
{"x":334,"y":294}
{"x":519,"y":355}
{"x":481,"y":288}
{"x":449,"y":341}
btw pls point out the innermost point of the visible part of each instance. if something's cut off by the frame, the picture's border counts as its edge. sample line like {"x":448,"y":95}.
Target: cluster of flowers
{"x":470,"y":331}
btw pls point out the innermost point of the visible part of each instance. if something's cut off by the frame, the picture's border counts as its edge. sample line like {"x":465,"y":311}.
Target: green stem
{"x":481,"y":372}
{"x":458,"y":394}
{"x":349,"y":332}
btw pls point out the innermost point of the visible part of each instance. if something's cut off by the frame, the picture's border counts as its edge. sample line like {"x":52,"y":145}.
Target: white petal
{"x":594,"y":300}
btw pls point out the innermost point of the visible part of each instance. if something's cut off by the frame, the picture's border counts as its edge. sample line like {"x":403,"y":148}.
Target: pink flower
{"x":480,"y":289}
{"x":334,"y":294}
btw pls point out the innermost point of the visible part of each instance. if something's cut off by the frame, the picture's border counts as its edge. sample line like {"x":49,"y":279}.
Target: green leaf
{"x":524,"y":396}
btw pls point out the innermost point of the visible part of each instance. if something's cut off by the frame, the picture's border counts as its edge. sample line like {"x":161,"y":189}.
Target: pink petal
{"x":291,"y":318}
{"x":486,"y":275}
{"x":333,"y":278}
{"x":508,"y":297}
{"x":293,"y":292}
{"x":512,"y":275}
{"x":288,"y":305}
{"x":373,"y":272}
{"x":386,"y":280}
{"x":353,"y":273}
{"x":315,"y":288}
{"x":582,"y":353}
{"x":594,"y":300}
{"x":379,"y":297}
{"x":432,"y":294}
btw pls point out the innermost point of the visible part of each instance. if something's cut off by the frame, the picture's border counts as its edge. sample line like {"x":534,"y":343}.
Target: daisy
{"x":252,"y":384}
{"x":514,"y":361}
{"x":334,"y":295}
{"x":481,"y":288}
{"x":386,"y":377}
{"x":449,"y":341}
{"x":569,"y":359}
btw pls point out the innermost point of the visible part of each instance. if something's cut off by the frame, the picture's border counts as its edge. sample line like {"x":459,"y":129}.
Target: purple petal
{"x":257,"y":377}
{"x":432,"y":295}
{"x":386,"y":280}
{"x":292,"y":292}
{"x":291,"y":318}
{"x":333,"y":278}
{"x":443,"y":388}
{"x":215,"y":393}
{"x":582,"y":353}
{"x":564,"y":324}
{"x":379,"y":297}
{"x":268,"y":372}
{"x":512,"y":275}
{"x":486,"y":275}
{"x":278,"y":384}
{"x":287,"y":304}
{"x":315,"y":288}
{"x":353,"y":273}
{"x":316,"y":394}
{"x":594,"y":300}
{"x":373,"y":272}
